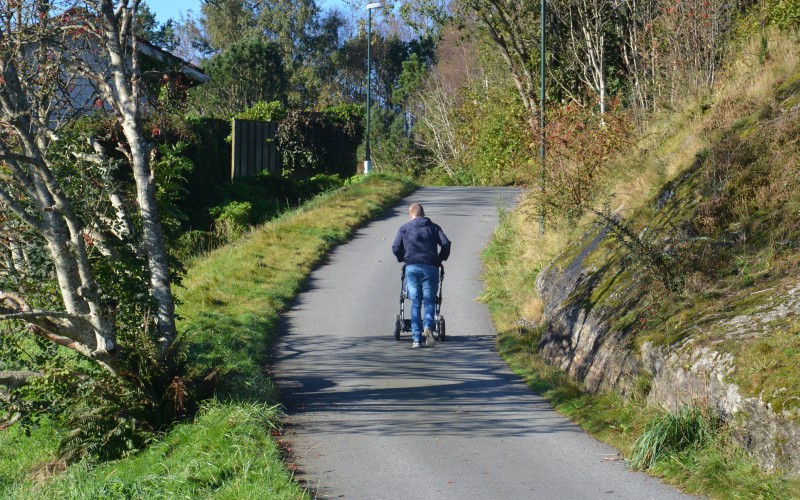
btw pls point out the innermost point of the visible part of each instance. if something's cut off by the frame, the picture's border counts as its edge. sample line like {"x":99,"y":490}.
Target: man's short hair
{"x":416,"y":210}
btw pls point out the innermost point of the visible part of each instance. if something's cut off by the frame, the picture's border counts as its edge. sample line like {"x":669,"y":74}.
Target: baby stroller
{"x":402,"y":324}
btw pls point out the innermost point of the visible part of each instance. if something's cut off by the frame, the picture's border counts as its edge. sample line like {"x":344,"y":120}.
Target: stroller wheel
{"x":398,"y":325}
{"x":440,"y":328}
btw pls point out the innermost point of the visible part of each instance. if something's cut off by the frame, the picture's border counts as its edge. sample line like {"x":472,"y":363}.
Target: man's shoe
{"x":430,"y":340}
{"x":415,"y":345}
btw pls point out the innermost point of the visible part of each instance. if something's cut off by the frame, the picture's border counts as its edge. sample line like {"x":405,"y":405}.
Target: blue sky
{"x":166,"y":9}
{"x":171,"y":9}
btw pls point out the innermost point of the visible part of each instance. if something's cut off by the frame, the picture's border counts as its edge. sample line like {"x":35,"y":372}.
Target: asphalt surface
{"x":372,"y":418}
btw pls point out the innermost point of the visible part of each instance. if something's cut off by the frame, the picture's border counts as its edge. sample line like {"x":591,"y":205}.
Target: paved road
{"x":371,"y":418}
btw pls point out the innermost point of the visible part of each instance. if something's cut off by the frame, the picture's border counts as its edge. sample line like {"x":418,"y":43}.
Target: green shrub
{"x":171,"y":170}
{"x":312,"y":143}
{"x":345,"y":113}
{"x":264,"y":111}
{"x":785,"y":14}
{"x":320,"y":183}
{"x":498,"y":138}
{"x":232,"y":220}
{"x":193,"y":243}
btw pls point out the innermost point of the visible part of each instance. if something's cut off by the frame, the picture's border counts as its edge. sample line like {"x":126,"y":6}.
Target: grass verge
{"x":231,"y":298}
{"x":229,"y":304}
{"x":227,"y":452}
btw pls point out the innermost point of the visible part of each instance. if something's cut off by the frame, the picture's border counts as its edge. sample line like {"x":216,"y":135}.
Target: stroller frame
{"x":403,"y":324}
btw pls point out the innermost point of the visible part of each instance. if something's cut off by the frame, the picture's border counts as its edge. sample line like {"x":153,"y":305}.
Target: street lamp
{"x":541,"y":130}
{"x":370,"y":6}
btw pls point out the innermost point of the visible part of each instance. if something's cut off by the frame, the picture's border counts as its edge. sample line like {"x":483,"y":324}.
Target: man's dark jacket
{"x":417,"y":241}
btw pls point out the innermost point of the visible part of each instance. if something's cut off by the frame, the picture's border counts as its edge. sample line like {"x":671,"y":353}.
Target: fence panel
{"x":253,"y":148}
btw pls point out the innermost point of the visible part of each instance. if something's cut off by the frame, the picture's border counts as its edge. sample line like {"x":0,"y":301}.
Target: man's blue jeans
{"x":422,"y":282}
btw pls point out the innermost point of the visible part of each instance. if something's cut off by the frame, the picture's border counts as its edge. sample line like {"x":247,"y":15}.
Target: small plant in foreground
{"x":669,"y":433}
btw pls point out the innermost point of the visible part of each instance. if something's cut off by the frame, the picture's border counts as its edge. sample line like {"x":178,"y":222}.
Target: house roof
{"x":162,"y":55}
{"x":148,"y":49}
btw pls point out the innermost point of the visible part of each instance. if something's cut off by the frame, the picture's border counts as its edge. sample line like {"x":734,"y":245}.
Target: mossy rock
{"x":788,"y":93}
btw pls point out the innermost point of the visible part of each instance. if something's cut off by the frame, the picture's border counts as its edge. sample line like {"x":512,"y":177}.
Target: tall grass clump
{"x":691,"y":426}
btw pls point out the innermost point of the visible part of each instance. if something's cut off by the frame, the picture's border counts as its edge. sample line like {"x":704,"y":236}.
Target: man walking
{"x":423,"y":246}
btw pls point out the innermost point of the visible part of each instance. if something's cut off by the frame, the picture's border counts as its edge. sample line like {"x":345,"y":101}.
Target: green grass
{"x":227,"y":452}
{"x":20,"y":454}
{"x":719,"y":470}
{"x":671,"y":433}
{"x":229,"y":305}
{"x":769,"y":367}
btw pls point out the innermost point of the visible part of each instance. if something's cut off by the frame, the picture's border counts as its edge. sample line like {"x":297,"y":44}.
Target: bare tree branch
{"x":35,"y":314}
{"x":48,"y":325}
{"x":15,"y":379}
{"x":20,"y":212}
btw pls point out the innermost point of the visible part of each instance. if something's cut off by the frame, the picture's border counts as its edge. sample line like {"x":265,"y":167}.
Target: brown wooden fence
{"x":253,"y":148}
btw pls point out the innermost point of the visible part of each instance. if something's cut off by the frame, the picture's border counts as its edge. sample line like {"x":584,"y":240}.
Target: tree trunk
{"x":508,"y":25}
{"x":118,"y":38}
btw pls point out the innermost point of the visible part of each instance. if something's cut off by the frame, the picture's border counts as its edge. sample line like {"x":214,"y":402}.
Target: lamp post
{"x":370,"y":6}
{"x":541,"y":111}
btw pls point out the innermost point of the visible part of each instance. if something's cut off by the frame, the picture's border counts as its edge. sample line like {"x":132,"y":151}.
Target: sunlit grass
{"x":671,"y":433}
{"x":231,"y":297}
{"x":227,"y":452}
{"x":21,"y":453}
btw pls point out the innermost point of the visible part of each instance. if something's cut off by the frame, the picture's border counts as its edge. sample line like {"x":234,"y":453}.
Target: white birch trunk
{"x":593,"y":17}
{"x":118,"y":38}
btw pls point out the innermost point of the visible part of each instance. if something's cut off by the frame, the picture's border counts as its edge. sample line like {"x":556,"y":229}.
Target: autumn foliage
{"x":581,"y":146}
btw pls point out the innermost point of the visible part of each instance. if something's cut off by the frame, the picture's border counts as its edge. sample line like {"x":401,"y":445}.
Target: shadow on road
{"x":378,"y":385}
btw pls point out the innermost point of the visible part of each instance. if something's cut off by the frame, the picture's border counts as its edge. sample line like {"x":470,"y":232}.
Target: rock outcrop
{"x":579,"y":336}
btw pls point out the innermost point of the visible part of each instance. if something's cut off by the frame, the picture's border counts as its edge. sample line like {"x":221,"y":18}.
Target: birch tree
{"x":638,"y":49}
{"x":586,"y":25}
{"x":436,"y":103}
{"x":60,"y":60}
{"x":511,"y":25}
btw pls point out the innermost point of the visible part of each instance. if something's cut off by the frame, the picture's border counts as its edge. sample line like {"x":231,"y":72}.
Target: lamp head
{"x":374,"y":5}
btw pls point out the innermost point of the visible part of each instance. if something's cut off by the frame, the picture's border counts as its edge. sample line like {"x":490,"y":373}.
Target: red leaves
{"x":581,"y":146}
{"x":283,"y":446}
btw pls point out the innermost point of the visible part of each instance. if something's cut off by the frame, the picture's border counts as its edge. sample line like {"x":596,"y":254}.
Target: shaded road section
{"x":371,"y":418}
